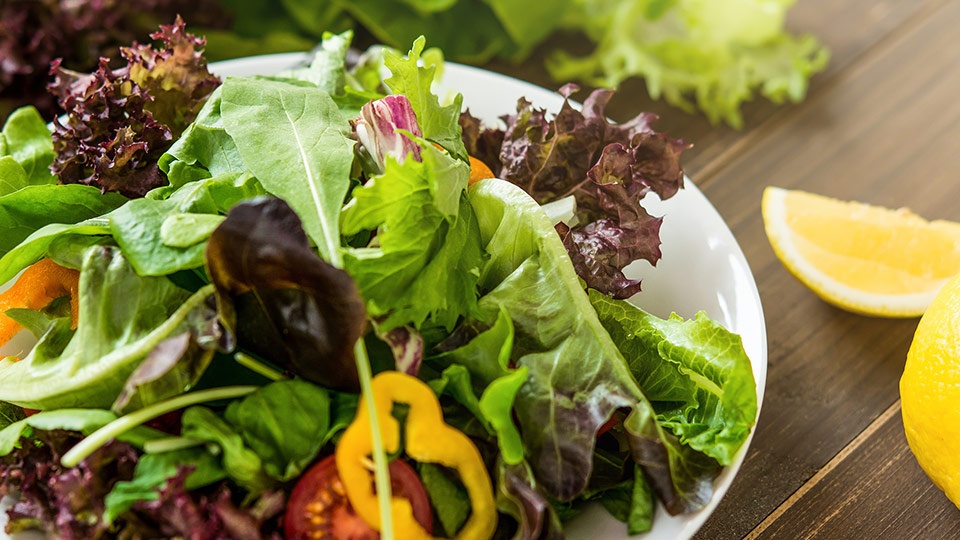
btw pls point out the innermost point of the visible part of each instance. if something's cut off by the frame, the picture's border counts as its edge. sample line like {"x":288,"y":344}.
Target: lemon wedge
{"x":862,"y":258}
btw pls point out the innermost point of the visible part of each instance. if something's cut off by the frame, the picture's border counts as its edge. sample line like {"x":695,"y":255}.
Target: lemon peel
{"x":930,"y":391}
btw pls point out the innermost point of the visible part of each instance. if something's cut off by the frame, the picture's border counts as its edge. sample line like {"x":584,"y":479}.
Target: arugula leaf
{"x":695,"y":373}
{"x":297,"y":143}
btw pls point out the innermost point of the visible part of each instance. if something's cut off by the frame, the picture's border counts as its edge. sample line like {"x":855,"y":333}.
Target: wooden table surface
{"x":881,"y":125}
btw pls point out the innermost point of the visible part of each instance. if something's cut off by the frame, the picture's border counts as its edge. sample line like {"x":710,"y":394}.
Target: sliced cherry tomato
{"x":318,"y":507}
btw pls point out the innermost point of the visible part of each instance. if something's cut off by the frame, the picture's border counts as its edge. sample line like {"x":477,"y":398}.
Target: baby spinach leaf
{"x":297,"y":143}
{"x":152,"y":473}
{"x":140,"y":225}
{"x":282,"y":301}
{"x":286,"y":423}
{"x":241,"y":463}
{"x":122,"y":318}
{"x":26,"y":138}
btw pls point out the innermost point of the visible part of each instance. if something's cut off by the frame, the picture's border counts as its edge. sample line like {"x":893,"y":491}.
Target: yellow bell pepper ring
{"x":428,"y":439}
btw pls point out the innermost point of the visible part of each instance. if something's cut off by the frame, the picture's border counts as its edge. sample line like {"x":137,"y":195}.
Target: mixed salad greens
{"x":302,"y":304}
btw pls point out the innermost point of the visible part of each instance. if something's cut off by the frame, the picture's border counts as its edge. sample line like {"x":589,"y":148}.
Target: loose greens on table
{"x":301,"y":233}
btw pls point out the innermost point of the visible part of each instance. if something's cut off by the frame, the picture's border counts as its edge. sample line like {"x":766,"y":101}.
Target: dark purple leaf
{"x":204,"y":515}
{"x":482,"y":143}
{"x":64,"y":503}
{"x":119,"y":122}
{"x":33,"y":34}
{"x":608,"y":167}
{"x":284,"y":303}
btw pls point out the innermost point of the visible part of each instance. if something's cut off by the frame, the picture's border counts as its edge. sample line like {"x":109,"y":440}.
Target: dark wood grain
{"x":876,"y":491}
{"x":884,"y":132}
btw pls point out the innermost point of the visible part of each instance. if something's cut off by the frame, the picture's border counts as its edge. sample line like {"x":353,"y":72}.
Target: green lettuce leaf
{"x":710,"y":54}
{"x":577,"y":376}
{"x":122,"y":318}
{"x":439,"y":123}
{"x":695,"y":372}
{"x":427,"y":256}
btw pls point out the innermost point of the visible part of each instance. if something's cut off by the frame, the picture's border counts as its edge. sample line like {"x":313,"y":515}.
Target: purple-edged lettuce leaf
{"x":120,"y":121}
{"x":65,"y":503}
{"x":608,"y":167}
{"x":519,"y":496}
{"x":281,"y":300}
{"x":577,"y":378}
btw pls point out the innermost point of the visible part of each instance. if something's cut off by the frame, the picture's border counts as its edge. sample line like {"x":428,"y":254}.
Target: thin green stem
{"x":100,"y":437}
{"x":259,"y":367}
{"x":381,"y":474}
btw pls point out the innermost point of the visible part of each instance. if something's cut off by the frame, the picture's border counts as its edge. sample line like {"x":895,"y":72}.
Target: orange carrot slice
{"x":39,"y":285}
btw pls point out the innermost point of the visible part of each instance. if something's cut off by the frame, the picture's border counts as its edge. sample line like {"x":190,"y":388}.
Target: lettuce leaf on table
{"x":708,"y":54}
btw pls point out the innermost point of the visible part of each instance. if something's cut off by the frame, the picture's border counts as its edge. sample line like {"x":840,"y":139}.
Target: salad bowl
{"x":702,"y":268}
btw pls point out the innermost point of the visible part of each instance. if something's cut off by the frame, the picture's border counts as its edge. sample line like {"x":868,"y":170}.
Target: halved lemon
{"x":859,"y":257}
